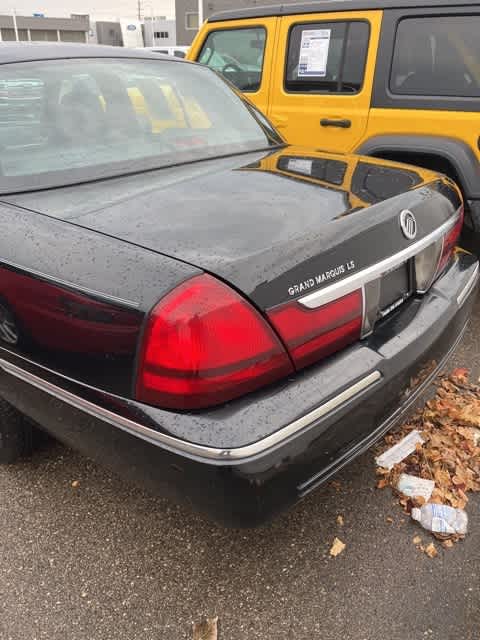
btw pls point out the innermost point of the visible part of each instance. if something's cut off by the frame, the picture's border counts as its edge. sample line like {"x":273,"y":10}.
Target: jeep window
{"x":437,"y":56}
{"x":345,"y":50}
{"x":237,"y":54}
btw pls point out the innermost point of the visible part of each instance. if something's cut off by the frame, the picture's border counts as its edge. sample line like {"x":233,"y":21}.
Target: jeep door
{"x":322,"y":77}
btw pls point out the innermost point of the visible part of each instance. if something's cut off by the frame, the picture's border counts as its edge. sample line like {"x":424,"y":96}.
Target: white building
{"x":158,"y":33}
{"x":131,"y":33}
{"x":37,"y":29}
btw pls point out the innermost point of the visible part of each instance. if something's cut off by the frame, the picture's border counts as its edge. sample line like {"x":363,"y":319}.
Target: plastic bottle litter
{"x":440,"y":518}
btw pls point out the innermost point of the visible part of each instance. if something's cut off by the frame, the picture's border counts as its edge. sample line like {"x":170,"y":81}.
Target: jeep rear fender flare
{"x":456,"y":152}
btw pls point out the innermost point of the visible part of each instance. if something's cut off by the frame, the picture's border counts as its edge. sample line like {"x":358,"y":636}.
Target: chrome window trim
{"x":177,"y":445}
{"x":361,"y":278}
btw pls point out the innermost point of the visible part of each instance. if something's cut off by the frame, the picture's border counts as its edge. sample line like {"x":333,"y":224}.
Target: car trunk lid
{"x":275,"y":226}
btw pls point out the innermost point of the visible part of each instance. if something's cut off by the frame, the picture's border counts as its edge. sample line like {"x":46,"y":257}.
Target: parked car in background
{"x":396,"y":79}
{"x":177,"y":51}
{"x":189,"y":300}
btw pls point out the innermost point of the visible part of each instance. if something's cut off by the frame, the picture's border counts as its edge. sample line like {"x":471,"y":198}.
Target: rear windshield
{"x":68,"y":121}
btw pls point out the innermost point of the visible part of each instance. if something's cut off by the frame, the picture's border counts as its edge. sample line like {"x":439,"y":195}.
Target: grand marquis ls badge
{"x":408,"y":224}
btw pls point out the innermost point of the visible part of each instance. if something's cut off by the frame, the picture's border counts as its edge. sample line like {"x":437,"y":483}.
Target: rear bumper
{"x":246,"y":461}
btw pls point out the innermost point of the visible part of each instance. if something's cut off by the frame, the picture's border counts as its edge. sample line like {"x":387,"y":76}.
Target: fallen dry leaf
{"x":450,"y":454}
{"x":431,"y":550}
{"x":389,"y":520}
{"x":206,"y":629}
{"x":469,"y":414}
{"x":460,"y":373}
{"x":447,"y":544}
{"x":75,"y":484}
{"x":337,"y":547}
{"x":340,"y":521}
{"x":417,"y":540}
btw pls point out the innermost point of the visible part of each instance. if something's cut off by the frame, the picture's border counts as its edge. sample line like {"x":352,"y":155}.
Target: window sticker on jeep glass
{"x":314,"y":53}
{"x":237,"y":54}
{"x":437,"y":56}
{"x":327,"y":57}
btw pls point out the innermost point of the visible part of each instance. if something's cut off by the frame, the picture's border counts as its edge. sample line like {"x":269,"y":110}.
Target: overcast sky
{"x":103,"y":9}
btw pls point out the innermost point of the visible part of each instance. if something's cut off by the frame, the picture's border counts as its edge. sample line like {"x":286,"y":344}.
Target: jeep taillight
{"x":204,"y":345}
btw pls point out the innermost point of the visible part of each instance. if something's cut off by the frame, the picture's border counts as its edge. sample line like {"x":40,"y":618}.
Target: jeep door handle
{"x":343,"y":124}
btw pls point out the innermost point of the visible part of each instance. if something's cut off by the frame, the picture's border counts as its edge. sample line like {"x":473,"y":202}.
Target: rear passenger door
{"x":242,"y":51}
{"x":322,"y":78}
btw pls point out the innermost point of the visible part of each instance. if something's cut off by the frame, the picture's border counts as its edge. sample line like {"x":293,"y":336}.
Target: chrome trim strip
{"x":363,"y":330}
{"x":77,"y":287}
{"x":177,"y":445}
{"x":472,"y":281}
{"x":359,"y":279}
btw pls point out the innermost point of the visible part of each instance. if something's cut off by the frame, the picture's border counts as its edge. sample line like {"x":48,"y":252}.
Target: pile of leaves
{"x":450,"y":455}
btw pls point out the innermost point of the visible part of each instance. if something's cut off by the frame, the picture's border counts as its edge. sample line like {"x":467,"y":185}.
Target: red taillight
{"x":312,"y":334}
{"x":450,"y":241}
{"x":203,"y":345}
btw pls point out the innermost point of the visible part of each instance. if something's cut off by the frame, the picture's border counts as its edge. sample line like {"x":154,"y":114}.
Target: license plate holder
{"x":395,"y":288}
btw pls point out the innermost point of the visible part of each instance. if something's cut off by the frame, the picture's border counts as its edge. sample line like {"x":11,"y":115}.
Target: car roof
{"x":332,"y":6}
{"x":31,"y":51}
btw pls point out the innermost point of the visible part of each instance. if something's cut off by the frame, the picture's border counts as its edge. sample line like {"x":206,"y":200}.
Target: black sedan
{"x":189,"y":300}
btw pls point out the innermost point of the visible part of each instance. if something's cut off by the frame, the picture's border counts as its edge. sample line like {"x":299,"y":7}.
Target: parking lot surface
{"x":102,"y":560}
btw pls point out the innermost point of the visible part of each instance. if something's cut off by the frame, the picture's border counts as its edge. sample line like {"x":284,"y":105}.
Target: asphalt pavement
{"x":103,"y":560}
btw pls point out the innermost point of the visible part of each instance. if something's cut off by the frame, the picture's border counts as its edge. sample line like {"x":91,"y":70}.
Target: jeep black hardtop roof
{"x":332,"y":6}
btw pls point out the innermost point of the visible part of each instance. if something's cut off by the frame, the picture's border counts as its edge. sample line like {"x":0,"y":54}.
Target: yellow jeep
{"x":396,"y":79}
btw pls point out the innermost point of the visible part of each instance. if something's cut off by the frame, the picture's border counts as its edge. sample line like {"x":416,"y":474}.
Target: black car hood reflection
{"x":253,"y":219}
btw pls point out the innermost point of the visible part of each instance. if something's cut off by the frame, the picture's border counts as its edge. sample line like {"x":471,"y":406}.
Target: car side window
{"x":437,"y":56}
{"x":327,"y":57}
{"x":237,"y":54}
